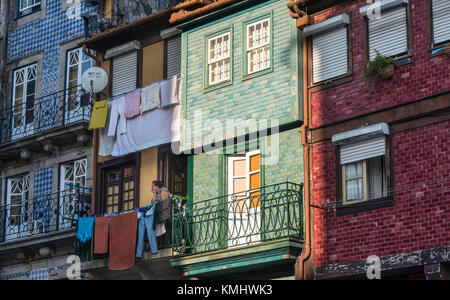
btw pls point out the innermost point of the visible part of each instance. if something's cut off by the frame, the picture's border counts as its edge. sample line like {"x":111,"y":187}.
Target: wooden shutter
{"x":330,"y":54}
{"x":363,"y":150}
{"x":441,"y":21}
{"x":388,"y":34}
{"x":173,"y":56}
{"x":124,"y":75}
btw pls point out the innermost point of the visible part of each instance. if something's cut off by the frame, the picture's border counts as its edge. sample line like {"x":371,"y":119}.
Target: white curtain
{"x":354,"y":188}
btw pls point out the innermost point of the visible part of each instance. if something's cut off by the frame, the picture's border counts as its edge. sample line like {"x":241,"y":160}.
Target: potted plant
{"x":381,"y":66}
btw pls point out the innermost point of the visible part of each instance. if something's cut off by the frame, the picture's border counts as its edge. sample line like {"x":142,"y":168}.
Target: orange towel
{"x":101,"y":233}
{"x":122,"y":241}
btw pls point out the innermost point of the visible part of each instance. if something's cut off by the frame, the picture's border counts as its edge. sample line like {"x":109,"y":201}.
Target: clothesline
{"x":115,"y":97}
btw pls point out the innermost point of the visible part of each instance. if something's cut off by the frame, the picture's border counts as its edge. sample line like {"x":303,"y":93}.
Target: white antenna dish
{"x":94,"y":80}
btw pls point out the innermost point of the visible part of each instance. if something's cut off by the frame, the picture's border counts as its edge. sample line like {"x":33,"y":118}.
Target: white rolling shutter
{"x":173,"y":56}
{"x":124,"y":75}
{"x":330,"y":54}
{"x":388,"y":34}
{"x":363,"y":150}
{"x":441,"y":21}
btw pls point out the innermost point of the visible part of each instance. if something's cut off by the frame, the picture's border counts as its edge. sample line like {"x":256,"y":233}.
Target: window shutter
{"x":363,"y":150}
{"x":173,"y":56}
{"x":124,"y":75}
{"x":388,"y":35}
{"x":441,"y":21}
{"x":330,"y":55}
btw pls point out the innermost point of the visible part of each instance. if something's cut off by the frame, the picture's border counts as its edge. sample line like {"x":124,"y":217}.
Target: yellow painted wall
{"x":149,"y":172}
{"x":105,"y":65}
{"x":152,"y":63}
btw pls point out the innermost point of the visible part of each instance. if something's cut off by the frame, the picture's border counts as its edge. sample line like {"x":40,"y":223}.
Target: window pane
{"x":376,"y":177}
{"x":354,"y":190}
{"x":239,"y":168}
{"x":354,"y":170}
{"x":239,"y":185}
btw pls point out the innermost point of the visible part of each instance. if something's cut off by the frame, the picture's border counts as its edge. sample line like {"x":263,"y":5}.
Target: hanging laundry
{"x":122,"y":241}
{"x":106,"y":142}
{"x":145,"y":221}
{"x":85,"y":229}
{"x":164,"y":125}
{"x":151,"y":97}
{"x":169,"y":92}
{"x":99,"y":115}
{"x":101,"y":234}
{"x":117,"y":117}
{"x":133,"y":100}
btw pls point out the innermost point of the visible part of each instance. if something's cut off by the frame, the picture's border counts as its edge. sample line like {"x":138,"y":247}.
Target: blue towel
{"x":85,"y":229}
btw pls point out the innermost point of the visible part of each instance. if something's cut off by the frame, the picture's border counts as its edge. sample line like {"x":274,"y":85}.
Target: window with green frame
{"x":258,"y":45}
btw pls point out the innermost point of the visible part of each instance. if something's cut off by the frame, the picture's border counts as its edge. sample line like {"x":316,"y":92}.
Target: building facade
{"x":378,"y":144}
{"x":45,"y":147}
{"x":143,"y":50}
{"x":241,"y":118}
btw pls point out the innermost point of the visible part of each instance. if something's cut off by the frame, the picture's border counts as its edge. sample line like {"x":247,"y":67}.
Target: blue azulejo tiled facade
{"x":56,"y":27}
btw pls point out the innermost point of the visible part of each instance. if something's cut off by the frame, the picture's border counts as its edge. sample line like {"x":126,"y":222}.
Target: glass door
{"x":244,"y":221}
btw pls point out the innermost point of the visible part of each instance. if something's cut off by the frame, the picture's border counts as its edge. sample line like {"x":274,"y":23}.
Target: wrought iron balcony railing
{"x":30,"y":116}
{"x":42,"y":214}
{"x":247,"y":218}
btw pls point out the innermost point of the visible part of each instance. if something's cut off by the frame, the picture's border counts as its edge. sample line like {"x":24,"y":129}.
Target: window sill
{"x":217,"y":86}
{"x":330,"y":83}
{"x":439,"y":50}
{"x":256,"y":74}
{"x":348,"y":209}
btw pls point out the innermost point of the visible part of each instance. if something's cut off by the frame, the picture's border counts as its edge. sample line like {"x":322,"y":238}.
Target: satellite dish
{"x":94,"y":80}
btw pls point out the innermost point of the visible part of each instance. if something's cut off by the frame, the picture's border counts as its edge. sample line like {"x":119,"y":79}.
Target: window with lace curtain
{"x":363,"y":164}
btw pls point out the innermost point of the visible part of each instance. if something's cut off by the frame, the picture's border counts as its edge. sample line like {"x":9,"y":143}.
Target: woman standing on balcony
{"x":162,"y":199}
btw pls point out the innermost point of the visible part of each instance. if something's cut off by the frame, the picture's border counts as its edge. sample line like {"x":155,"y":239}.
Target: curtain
{"x":354,"y":188}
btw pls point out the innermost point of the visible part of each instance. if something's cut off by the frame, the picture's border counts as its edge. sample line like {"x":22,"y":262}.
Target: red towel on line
{"x":122,"y":241}
{"x":101,"y":233}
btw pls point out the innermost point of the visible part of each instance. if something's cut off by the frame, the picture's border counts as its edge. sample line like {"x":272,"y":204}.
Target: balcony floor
{"x":266,"y":258}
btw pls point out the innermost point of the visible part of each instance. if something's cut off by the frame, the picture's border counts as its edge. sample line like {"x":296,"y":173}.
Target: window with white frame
{"x":363,"y":164}
{"x":24,"y":94}
{"x":329,"y":48}
{"x":28,"y":6}
{"x":440,"y":10}
{"x":388,"y":33}
{"x":258,"y":46}
{"x":219,"y":65}
{"x":77,"y":64}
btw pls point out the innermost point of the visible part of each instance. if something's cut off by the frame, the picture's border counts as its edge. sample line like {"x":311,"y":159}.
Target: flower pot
{"x":387,"y":72}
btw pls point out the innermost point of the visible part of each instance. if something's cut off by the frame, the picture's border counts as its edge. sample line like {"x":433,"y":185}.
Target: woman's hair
{"x":158,"y":183}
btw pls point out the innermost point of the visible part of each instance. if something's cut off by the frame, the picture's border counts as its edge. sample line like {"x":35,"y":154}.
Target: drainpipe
{"x":95,"y":143}
{"x":4,"y":9}
{"x":88,"y":53}
{"x":307,"y":158}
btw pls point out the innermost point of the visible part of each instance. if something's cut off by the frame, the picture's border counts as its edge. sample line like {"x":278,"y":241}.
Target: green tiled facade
{"x":210,"y":170}
{"x":270,"y":95}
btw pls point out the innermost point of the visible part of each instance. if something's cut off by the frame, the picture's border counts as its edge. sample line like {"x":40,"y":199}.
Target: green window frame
{"x":209,"y":61}
{"x":261,"y":48}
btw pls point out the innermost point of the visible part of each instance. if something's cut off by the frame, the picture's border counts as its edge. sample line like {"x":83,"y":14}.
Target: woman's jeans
{"x":145,"y":223}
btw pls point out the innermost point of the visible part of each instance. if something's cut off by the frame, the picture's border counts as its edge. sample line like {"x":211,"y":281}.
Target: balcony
{"x":244,"y":232}
{"x":53,"y":116}
{"x":30,"y":221}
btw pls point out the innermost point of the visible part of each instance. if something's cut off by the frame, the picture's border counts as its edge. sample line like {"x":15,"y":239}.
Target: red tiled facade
{"x":419,"y":218}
